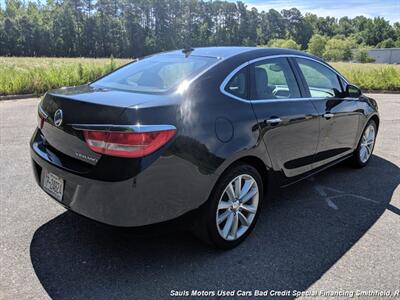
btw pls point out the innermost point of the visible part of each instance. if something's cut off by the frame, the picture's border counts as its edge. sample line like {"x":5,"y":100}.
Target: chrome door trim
{"x":122,"y":128}
{"x":243,"y":65}
{"x":228,"y":78}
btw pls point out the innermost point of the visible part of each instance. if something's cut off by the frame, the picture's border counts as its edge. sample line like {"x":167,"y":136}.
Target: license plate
{"x":53,"y":184}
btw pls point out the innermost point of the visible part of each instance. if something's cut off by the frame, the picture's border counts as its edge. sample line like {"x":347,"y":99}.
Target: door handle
{"x":328,"y":115}
{"x":274,"y":121}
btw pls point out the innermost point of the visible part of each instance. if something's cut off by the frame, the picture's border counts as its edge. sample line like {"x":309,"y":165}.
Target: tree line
{"x":134,"y":28}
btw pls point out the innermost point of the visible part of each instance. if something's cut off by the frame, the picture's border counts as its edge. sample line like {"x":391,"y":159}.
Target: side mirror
{"x":352,"y":91}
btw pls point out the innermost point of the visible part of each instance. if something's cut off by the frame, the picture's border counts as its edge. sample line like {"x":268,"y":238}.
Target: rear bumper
{"x":151,"y":196}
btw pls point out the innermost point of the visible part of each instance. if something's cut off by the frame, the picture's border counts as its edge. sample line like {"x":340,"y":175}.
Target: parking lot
{"x":338,"y":230}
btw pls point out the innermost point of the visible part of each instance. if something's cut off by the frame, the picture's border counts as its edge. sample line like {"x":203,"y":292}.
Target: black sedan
{"x":208,"y":130}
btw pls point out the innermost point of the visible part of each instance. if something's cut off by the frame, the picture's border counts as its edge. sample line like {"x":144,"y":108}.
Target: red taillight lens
{"x":127,"y":144}
{"x":40,"y":121}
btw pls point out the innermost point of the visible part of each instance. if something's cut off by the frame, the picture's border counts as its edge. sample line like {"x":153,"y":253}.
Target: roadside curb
{"x":16,"y":97}
{"x":380,"y":92}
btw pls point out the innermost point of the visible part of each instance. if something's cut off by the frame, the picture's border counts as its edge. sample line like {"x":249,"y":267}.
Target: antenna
{"x":187,"y":50}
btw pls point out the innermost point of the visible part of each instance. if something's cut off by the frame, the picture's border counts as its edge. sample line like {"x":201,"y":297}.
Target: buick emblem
{"x":58,"y":117}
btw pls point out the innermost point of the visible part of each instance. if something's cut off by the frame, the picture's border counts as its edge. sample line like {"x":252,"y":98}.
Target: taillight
{"x":40,"y":121}
{"x":127,"y":144}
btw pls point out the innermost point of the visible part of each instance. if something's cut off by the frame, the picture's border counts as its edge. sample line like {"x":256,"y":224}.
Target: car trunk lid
{"x":86,"y":105}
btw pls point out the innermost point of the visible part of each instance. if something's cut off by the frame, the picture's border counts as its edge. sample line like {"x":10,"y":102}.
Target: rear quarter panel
{"x":214,"y":130}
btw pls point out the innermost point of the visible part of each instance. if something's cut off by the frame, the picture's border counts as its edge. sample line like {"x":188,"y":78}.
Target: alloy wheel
{"x":237,"y":207}
{"x":367,"y":143}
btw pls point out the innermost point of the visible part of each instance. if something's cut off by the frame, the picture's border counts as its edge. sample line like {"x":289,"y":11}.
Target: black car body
{"x":252,"y":105}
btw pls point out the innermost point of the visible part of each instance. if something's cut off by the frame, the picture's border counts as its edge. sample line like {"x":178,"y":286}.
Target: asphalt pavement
{"x":337,"y":231}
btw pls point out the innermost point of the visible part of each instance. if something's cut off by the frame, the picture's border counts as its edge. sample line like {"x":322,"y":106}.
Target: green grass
{"x":25,"y":75}
{"x":371,"y":76}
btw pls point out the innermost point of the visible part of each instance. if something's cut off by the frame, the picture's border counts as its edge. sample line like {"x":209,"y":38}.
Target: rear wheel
{"x":363,"y":153}
{"x":231,"y":212}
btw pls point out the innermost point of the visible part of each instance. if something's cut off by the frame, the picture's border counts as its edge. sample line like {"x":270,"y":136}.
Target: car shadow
{"x":302,"y":231}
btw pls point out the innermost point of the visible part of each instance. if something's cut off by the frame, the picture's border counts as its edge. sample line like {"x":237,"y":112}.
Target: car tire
{"x":230,"y":208}
{"x":362,"y":155}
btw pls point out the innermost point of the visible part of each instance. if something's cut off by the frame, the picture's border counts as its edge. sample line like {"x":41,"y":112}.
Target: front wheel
{"x":231,"y":212}
{"x":363,"y":153}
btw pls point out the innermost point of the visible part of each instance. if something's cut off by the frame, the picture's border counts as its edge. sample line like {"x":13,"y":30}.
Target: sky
{"x":389,"y":9}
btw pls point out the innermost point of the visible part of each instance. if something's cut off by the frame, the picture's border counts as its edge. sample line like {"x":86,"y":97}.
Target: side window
{"x":238,"y":85}
{"x":274,"y":79}
{"x":321,"y":81}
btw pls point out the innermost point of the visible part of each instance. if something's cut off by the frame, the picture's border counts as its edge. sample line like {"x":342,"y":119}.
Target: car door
{"x":288,"y":123}
{"x":339,"y":117}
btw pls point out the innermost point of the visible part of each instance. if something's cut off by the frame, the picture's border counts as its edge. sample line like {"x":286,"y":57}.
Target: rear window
{"x":155,"y":74}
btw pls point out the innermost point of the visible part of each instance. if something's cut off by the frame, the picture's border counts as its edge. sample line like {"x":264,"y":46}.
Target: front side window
{"x":238,"y":85}
{"x":321,"y":81}
{"x":155,"y":74}
{"x":274,"y":79}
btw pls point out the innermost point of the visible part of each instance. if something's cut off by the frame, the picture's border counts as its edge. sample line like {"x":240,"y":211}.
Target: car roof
{"x":230,"y":51}
{"x":220,"y":52}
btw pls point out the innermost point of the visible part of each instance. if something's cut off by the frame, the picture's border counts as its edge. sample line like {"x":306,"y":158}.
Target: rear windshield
{"x":155,"y":74}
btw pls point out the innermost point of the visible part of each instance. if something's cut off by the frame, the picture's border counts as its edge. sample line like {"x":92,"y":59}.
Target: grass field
{"x":24,"y":75}
{"x":371,"y":76}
